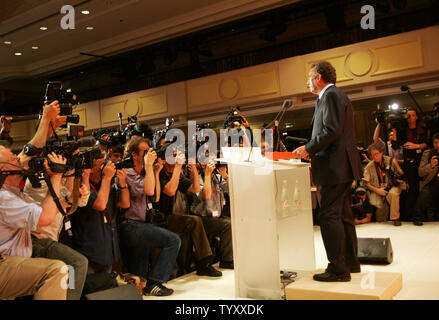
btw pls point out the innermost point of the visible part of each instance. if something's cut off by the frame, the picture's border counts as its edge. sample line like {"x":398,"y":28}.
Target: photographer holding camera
{"x":21,"y":275}
{"x":414,"y":138}
{"x":393,"y":153}
{"x":138,"y":236}
{"x":429,"y":185}
{"x":362,"y":210}
{"x":382,"y":178}
{"x":209,"y":206}
{"x":94,"y":226}
{"x":171,"y":181}
{"x":45,"y":239}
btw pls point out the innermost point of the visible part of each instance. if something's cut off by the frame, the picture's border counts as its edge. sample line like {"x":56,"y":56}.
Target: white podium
{"x":272,"y":226}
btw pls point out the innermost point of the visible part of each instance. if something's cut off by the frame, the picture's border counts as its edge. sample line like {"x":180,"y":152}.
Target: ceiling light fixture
{"x":43,"y":28}
{"x":35,"y":48}
{"x":7,"y":42}
{"x":89,"y":28}
{"x":85,"y":12}
{"x":18,"y":53}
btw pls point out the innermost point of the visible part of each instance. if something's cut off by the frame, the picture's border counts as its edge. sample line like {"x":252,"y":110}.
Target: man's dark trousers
{"x":338,"y":228}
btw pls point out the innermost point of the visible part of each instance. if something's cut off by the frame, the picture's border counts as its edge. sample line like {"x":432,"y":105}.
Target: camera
{"x":67,"y":100}
{"x":110,"y":137}
{"x":393,"y":177}
{"x":125,"y":163}
{"x":234,"y":118}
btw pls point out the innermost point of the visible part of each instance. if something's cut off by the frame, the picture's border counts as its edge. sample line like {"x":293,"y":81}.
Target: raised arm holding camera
{"x":18,"y":217}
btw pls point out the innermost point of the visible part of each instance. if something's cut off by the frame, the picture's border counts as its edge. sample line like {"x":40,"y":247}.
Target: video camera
{"x":81,"y":160}
{"x":234,"y":118}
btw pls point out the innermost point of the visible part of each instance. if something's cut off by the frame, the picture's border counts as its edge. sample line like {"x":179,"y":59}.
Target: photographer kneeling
{"x":429,"y":185}
{"x":382,"y":178}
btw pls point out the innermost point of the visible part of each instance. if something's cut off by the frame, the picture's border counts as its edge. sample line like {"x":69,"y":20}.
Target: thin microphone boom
{"x":25,"y":118}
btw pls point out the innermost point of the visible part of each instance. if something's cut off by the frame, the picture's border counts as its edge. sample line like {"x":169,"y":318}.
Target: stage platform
{"x":416,"y":257}
{"x":363,"y":286}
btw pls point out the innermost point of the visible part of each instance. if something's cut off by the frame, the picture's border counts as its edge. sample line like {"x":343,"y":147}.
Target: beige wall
{"x":363,"y":65}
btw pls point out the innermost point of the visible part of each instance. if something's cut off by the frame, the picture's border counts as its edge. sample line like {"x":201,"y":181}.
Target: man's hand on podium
{"x":301,"y":153}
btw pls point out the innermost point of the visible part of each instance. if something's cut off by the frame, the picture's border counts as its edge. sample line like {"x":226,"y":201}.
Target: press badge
{"x":67,"y":225}
{"x":215,"y":213}
{"x":149,"y":205}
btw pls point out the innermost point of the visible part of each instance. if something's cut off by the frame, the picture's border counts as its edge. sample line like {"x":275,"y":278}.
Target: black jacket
{"x":333,"y":148}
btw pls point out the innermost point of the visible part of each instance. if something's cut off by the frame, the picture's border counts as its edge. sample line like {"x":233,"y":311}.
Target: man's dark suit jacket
{"x":333,"y":147}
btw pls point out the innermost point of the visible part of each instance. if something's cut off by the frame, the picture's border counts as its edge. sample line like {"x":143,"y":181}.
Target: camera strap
{"x":75,"y":193}
{"x":53,"y":194}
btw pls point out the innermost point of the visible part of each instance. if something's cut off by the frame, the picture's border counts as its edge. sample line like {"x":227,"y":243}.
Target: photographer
{"x":94,"y":226}
{"x":393,"y":153}
{"x":210,"y":205}
{"x":5,"y":137}
{"x":171,"y":180}
{"x":429,"y":185}
{"x":379,"y":179}
{"x":361,"y":208}
{"x":414,"y":138}
{"x":37,"y":276}
{"x":138,"y":236}
{"x":45,"y":239}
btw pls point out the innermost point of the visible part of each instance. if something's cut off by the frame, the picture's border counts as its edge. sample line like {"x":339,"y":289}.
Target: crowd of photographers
{"x":65,"y":210}
{"x":119,"y":205}
{"x":400,"y":180}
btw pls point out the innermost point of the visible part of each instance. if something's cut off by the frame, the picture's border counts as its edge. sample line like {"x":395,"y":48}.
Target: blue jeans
{"x":138,"y":238}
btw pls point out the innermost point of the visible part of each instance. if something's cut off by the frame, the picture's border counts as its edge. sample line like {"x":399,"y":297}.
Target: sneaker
{"x":209,"y":271}
{"x":158,"y":290}
{"x":226,"y":265}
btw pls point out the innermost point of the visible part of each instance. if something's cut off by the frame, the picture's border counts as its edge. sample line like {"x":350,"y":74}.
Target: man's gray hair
{"x":377,"y":146}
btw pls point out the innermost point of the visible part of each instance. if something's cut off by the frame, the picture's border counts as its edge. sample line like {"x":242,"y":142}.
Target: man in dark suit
{"x":335,"y":163}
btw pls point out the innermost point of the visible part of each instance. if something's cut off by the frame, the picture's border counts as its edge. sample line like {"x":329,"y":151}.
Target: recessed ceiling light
{"x":7,"y":42}
{"x":85,"y":12}
{"x":89,"y":28}
{"x":69,"y":90}
{"x":35,"y":48}
{"x":43,"y":28}
{"x":18,"y":53}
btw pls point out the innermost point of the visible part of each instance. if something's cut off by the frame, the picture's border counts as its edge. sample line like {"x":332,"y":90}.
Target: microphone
{"x":287,"y":103}
{"x":405,"y":88}
{"x":25,"y":118}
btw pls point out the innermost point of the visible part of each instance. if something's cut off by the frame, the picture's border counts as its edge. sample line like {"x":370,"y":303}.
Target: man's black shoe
{"x":331,"y":277}
{"x":397,"y":223}
{"x":226,"y":265}
{"x":209,"y":271}
{"x":158,"y":290}
{"x":418,"y":223}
